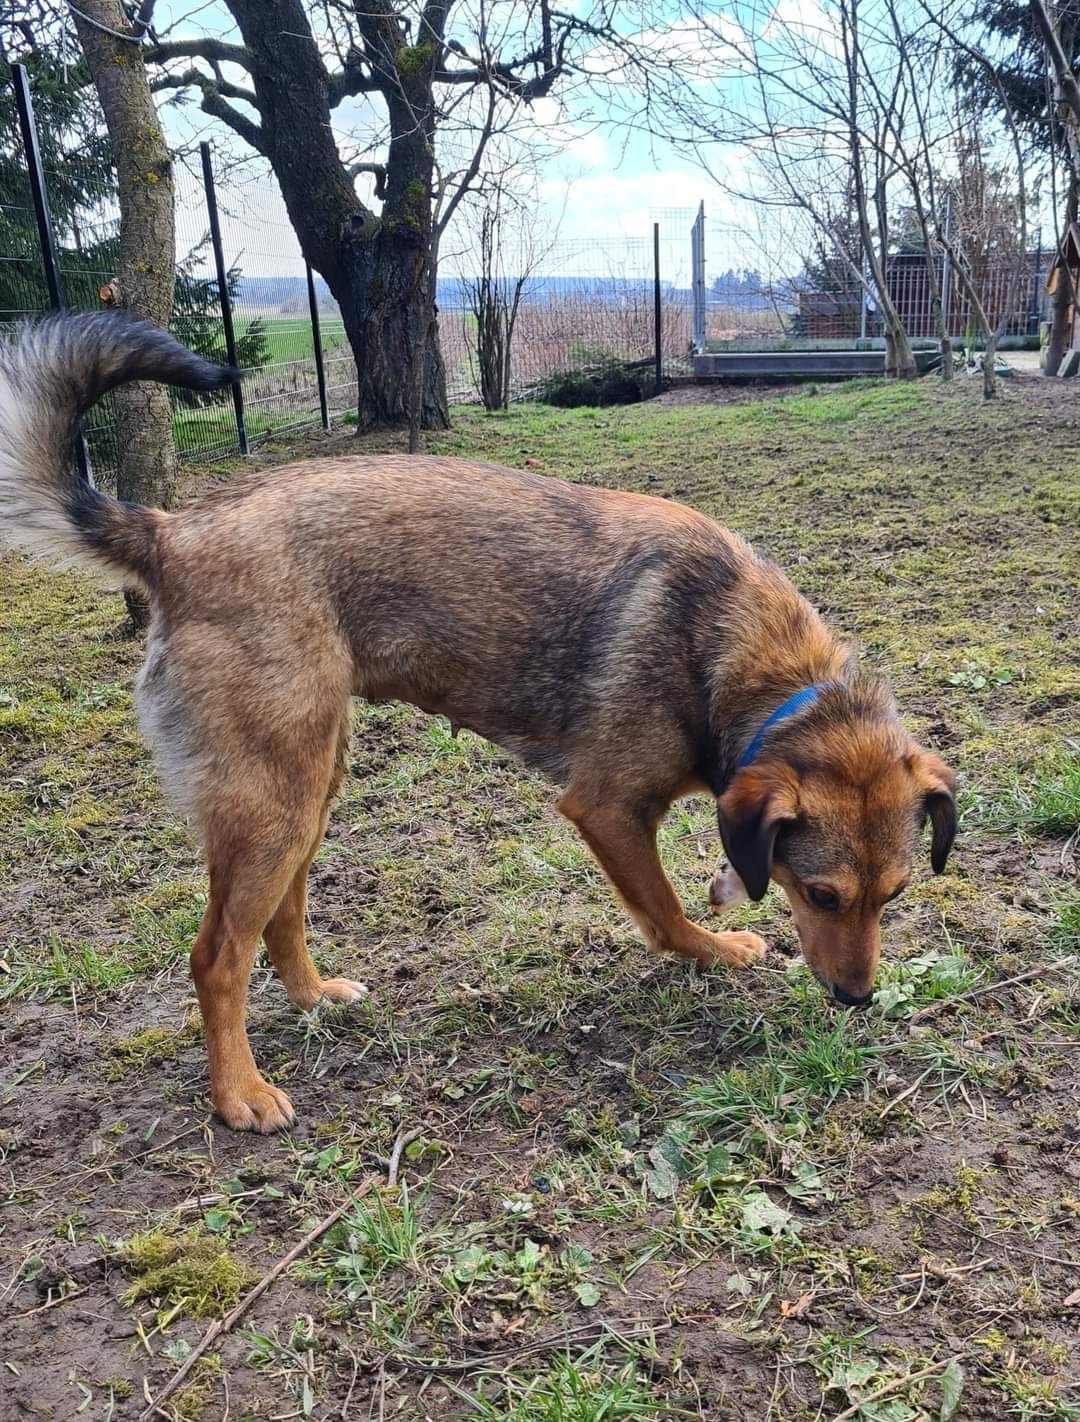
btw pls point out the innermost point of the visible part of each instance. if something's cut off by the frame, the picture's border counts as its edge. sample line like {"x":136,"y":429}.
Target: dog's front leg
{"x":623,"y":840}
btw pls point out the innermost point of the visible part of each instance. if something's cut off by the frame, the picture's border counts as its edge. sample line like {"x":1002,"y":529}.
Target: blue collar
{"x":790,"y":707}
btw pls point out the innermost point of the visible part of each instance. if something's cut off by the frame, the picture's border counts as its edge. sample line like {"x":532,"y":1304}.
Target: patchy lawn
{"x":635,"y":1190}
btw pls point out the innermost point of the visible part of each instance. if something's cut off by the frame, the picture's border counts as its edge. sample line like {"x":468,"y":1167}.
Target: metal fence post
{"x":658,"y":319}
{"x":697,"y":253}
{"x":316,"y":340}
{"x":864,"y":296}
{"x":946,"y":272}
{"x":223,"y":291}
{"x":46,"y":240}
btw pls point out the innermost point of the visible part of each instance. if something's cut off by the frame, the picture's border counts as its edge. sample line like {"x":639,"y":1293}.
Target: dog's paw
{"x":342,"y":990}
{"x":727,"y":890}
{"x":254,"y":1105}
{"x":738,"y":950}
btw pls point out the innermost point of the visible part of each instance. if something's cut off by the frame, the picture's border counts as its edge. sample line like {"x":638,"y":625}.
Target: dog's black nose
{"x":849,"y":999}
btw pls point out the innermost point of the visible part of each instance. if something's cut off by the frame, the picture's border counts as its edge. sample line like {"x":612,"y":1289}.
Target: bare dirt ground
{"x":631,"y":1189}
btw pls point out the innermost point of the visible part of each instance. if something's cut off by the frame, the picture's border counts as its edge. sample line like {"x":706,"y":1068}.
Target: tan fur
{"x":626,"y":646}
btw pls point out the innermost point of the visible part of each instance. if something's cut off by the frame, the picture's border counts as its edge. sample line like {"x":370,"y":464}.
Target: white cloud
{"x":803,"y":25}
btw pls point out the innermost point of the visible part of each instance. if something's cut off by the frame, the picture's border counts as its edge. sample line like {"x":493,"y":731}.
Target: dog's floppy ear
{"x":751,"y":812}
{"x":939,"y":806}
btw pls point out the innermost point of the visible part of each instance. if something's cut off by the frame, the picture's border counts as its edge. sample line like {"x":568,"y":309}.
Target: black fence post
{"x":316,"y":340}
{"x":46,"y":240}
{"x":223,"y":291}
{"x":658,"y":351}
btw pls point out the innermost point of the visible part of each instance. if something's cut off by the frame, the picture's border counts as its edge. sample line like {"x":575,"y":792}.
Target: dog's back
{"x":504,"y":600}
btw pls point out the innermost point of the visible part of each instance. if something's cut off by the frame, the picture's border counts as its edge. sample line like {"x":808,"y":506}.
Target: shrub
{"x":606,"y":381}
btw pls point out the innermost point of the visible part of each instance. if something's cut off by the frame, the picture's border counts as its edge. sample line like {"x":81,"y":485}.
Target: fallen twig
{"x":935,"y":1007}
{"x":897,"y":1385}
{"x":406,"y":1138}
{"x":53,"y":1303}
{"x":221,"y":1326}
{"x":910,"y":1091}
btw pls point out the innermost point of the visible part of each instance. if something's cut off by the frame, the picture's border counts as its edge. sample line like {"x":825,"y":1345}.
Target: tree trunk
{"x":989,"y":361}
{"x":1064,"y":296}
{"x":146,"y":471}
{"x":383,"y":289}
{"x":379,"y":267}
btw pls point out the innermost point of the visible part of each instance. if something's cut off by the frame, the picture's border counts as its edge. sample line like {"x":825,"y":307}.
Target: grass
{"x":585,"y":1389}
{"x":1047,"y":800}
{"x":290,"y":338}
{"x":608,"y":1138}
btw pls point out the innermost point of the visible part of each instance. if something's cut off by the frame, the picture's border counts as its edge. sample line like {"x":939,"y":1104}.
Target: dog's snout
{"x":850,"y":999}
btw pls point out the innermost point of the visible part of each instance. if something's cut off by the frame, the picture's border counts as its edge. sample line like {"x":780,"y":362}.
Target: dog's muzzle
{"x":847,"y":999}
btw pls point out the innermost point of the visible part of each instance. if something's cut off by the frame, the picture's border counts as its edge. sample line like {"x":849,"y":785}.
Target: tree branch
{"x":204,"y":48}
{"x":378,"y":169}
{"x":1070,"y":89}
{"x":353,"y":78}
{"x":214,"y":93}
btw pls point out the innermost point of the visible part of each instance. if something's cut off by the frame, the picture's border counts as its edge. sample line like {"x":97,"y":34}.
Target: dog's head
{"x":832,"y":811}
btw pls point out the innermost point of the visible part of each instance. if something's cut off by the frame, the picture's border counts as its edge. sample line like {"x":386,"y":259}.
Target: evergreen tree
{"x":1021,"y":64}
{"x":197,"y":322}
{"x":78,"y":174}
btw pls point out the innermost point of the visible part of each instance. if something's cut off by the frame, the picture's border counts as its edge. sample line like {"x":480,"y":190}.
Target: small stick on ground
{"x":53,"y":1303}
{"x":936,"y":1007}
{"x":897,"y":1385}
{"x":222,"y":1326}
{"x":405,"y":1138}
{"x":910,"y":1091}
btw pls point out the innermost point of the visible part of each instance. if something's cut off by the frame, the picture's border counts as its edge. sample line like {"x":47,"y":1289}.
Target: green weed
{"x":585,"y":1389}
{"x":1047,"y":799}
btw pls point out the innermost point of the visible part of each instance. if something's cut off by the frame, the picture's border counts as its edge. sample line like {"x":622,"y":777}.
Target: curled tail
{"x":51,"y":371}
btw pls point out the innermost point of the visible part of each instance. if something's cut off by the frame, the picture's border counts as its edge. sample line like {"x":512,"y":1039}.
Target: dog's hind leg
{"x":262,"y":817}
{"x":285,"y":933}
{"x":247,"y":880}
{"x":623,"y":839}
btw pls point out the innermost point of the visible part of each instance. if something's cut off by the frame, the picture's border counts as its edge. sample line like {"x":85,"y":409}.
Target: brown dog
{"x":631,"y":648}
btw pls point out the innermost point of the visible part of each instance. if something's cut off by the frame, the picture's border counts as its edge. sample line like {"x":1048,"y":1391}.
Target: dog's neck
{"x":769,"y":645}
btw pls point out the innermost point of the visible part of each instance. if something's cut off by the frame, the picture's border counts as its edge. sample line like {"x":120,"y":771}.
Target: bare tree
{"x":989,"y":235}
{"x":817,"y":128}
{"x":509,"y":249}
{"x":427,"y":68}
{"x":1056,"y":26}
{"x":146,"y":471}
{"x":915,"y":151}
{"x":987,"y":222}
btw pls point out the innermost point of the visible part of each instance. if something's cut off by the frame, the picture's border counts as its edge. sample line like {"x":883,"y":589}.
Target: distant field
{"x":289,"y":337}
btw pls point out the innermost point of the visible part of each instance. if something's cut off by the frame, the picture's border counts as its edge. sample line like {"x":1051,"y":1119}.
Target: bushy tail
{"x":51,"y":371}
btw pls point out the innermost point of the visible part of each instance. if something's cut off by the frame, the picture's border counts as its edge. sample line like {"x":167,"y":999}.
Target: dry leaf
{"x":796,"y":1309}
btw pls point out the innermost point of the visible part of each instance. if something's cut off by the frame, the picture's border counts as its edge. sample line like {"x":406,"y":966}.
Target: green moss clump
{"x":191,"y":1401}
{"x":411,"y":58}
{"x":154,"y":1044}
{"x":192,"y":1273}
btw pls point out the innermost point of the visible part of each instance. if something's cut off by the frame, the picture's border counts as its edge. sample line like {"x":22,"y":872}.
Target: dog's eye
{"x":823,"y":898}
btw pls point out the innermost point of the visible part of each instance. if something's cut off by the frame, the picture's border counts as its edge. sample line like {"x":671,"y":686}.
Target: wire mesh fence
{"x":586,"y":305}
{"x":755,"y":299}
{"x":583,"y":309}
